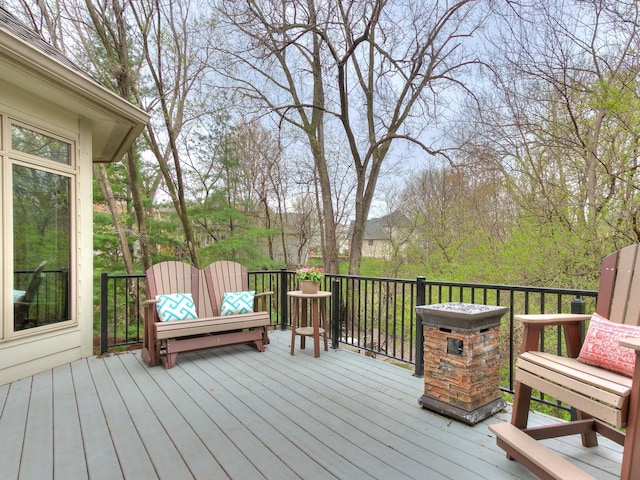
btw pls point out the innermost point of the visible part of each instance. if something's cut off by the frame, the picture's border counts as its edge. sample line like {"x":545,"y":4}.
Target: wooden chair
{"x":22,"y":305}
{"x":606,"y":402}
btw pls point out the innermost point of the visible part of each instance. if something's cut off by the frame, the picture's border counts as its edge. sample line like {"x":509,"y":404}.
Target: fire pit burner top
{"x":469,"y":308}
{"x":466,"y":316}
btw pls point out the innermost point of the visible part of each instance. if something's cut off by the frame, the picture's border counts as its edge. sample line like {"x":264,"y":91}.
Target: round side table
{"x":318,"y":319}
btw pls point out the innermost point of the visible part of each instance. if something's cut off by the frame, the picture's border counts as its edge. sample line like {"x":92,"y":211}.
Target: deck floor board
{"x":233,"y":412}
{"x":37,"y":462}
{"x":99,"y":450}
{"x":67,"y":433}
{"x":13,"y":422}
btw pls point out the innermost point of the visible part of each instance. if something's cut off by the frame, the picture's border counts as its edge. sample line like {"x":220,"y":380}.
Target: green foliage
{"x":106,"y":246}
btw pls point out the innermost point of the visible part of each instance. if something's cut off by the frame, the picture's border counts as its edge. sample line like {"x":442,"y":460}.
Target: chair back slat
{"x":619,"y":278}
{"x":206,"y":308}
{"x":174,"y":277}
{"x":608,"y":269}
{"x":225,"y":276}
{"x":632,"y":315}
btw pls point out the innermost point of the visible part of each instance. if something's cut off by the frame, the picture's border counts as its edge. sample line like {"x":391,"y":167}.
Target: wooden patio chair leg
{"x":573,"y":336}
{"x":589,"y":439}
{"x":521,"y":405}
{"x":156,"y":353}
{"x":146,"y":356}
{"x":149,"y":347}
{"x":294,"y":324}
{"x":522,"y":395}
{"x":150,"y":353}
{"x":323,"y":323}
{"x":631,"y":452}
{"x":170,"y":360}
{"x":265,"y":336}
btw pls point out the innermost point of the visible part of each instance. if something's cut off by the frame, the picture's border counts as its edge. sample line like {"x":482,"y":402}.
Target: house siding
{"x":27,"y":352}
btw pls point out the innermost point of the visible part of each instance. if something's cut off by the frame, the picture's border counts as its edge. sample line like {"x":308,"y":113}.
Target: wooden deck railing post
{"x":420,"y":299}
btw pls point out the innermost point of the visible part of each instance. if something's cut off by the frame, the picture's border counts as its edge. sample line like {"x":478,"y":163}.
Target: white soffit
{"x":116,"y":122}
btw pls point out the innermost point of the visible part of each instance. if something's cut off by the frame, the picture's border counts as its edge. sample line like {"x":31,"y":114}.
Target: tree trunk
{"x":138,"y":207}
{"x":100,"y":173}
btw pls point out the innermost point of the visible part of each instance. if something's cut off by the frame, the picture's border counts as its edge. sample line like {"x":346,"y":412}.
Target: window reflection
{"x":42,"y":247}
{"x":43,"y":146}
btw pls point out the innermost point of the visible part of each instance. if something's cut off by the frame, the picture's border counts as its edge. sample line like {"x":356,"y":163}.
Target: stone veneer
{"x":462,"y":362}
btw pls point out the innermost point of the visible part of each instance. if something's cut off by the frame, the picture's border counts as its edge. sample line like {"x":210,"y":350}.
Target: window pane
{"x":34,"y":143}
{"x":42,"y":247}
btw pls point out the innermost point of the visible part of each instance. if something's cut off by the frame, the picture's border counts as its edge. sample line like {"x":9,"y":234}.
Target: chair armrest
{"x":631,"y":342}
{"x":149,"y":308}
{"x":545,"y":319}
{"x":534,"y":324}
{"x":263,"y":294}
{"x":260,"y":301}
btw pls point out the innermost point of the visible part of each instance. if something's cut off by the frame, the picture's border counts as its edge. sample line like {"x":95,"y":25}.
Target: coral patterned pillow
{"x":176,"y":306}
{"x":234,"y":303}
{"x":601,"y":347}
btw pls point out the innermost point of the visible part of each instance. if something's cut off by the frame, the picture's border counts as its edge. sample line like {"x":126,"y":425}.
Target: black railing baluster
{"x":104,"y":313}
{"x":419,"y":349}
{"x":335,"y":313}
{"x":284,"y":299}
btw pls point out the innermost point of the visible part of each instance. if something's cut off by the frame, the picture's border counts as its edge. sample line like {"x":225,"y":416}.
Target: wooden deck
{"x":233,"y":412}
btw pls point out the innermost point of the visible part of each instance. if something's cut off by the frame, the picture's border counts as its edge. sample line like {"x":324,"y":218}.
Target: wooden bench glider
{"x":606,"y":401}
{"x":164,"y":340}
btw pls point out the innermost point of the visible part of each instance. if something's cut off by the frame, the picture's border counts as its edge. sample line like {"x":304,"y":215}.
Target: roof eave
{"x":120,"y":121}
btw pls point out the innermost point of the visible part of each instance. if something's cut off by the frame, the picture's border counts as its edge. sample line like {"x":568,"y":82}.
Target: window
{"x":41,"y":200}
{"x":27,"y":141}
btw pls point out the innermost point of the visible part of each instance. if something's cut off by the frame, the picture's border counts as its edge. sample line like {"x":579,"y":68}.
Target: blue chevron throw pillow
{"x":234,"y":303}
{"x":176,"y":306}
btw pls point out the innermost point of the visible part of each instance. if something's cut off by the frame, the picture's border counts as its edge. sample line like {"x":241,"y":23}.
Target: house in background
{"x":385,"y":236}
{"x":55,"y":121}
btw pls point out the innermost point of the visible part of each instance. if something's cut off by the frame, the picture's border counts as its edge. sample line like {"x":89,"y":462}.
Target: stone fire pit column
{"x":461,"y":360}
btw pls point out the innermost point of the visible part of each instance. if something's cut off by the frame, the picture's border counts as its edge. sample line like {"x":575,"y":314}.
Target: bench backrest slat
{"x":175,"y":277}
{"x":224,"y":276}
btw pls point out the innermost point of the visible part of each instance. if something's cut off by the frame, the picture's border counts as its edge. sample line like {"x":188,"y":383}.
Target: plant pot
{"x":309,"y":287}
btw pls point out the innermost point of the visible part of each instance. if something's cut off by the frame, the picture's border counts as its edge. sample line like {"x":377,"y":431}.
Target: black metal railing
{"x":376,"y":316}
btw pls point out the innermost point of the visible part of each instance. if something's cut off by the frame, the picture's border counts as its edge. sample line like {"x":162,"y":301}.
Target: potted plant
{"x":309,"y":279}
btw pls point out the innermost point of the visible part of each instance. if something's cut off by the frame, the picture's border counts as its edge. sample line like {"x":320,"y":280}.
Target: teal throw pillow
{"x":234,"y":303}
{"x":176,"y":306}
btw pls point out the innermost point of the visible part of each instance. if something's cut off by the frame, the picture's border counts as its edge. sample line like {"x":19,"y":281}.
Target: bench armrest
{"x":149,"y":308}
{"x":260,"y":301}
{"x":263,"y":294}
